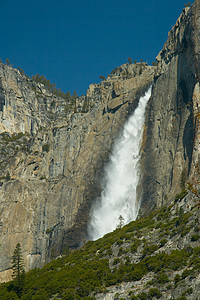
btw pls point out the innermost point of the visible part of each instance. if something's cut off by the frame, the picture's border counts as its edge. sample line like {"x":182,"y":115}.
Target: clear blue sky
{"x":73,"y":42}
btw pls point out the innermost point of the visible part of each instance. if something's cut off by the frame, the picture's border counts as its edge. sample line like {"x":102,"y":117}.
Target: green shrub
{"x":194,"y":237}
{"x":40,"y":295}
{"x":177,"y":259}
{"x":121,"y":251}
{"x":169,"y":287}
{"x":163,"y":242}
{"x":141,"y":223}
{"x":163,"y":214}
{"x":116,"y":261}
{"x":10,"y":296}
{"x":135,"y":245}
{"x":154,"y":292}
{"x":180,"y":196}
{"x":185,"y":231}
{"x":148,"y":250}
{"x":177,"y":278}
{"x":134,"y":297}
{"x":162,"y":278}
{"x":136,"y":274}
{"x":153,"y":263}
{"x":186,"y":273}
{"x":143,"y":296}
{"x":119,"y":242}
{"x":188,"y":292}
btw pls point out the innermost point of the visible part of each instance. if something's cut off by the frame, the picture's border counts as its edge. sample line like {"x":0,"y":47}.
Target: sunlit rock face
{"x":171,"y":146}
{"x":52,"y":159}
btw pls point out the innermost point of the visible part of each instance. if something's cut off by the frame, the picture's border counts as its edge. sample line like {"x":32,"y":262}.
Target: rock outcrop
{"x":171,"y":146}
{"x":52,"y":160}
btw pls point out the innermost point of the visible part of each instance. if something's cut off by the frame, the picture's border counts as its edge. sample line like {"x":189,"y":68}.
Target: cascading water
{"x":118,"y":197}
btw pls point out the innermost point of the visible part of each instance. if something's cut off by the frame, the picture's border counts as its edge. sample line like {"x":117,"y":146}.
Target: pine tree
{"x":7,"y":61}
{"x":130,"y":61}
{"x":17,"y":264}
{"x":68,"y":96}
{"x":121,"y":222}
{"x":75,"y":96}
{"x":21,"y":71}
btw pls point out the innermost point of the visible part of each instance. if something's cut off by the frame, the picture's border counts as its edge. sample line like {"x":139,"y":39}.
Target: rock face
{"x":171,"y":145}
{"x":52,"y":160}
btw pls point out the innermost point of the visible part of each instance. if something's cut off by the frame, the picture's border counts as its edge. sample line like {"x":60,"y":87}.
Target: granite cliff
{"x":171,"y":145}
{"x":52,"y":158}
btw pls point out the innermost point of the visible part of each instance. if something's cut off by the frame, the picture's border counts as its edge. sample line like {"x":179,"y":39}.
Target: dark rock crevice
{"x":2,"y":96}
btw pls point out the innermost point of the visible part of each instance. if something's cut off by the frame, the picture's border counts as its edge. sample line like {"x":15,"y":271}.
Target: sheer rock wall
{"x":171,"y":147}
{"x":52,"y":168}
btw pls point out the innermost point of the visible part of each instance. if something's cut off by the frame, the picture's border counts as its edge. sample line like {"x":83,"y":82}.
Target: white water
{"x":118,"y":197}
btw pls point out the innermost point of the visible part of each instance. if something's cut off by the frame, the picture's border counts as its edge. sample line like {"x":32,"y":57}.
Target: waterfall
{"x":121,"y":176}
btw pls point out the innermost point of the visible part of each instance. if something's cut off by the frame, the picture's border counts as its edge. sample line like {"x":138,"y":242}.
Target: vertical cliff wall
{"x":53,"y":159}
{"x":171,"y":146}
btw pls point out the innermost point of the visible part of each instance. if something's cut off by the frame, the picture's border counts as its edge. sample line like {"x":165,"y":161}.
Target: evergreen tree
{"x":73,"y":101}
{"x":121,"y":222}
{"x":52,"y":87}
{"x":7,"y":61}
{"x":17,"y":264}
{"x":21,"y":71}
{"x":130,"y":61}
{"x":188,"y":4}
{"x":48,"y":85}
{"x":75,"y":96}
{"x":68,"y":96}
{"x":86,"y":106}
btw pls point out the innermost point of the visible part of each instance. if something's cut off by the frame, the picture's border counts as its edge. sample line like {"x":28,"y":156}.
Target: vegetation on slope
{"x":10,"y":144}
{"x":52,"y":87}
{"x":163,"y":248}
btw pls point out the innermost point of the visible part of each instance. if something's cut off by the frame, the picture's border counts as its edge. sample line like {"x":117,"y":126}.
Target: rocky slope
{"x":176,"y":233}
{"x":156,"y":257}
{"x":52,"y":159}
